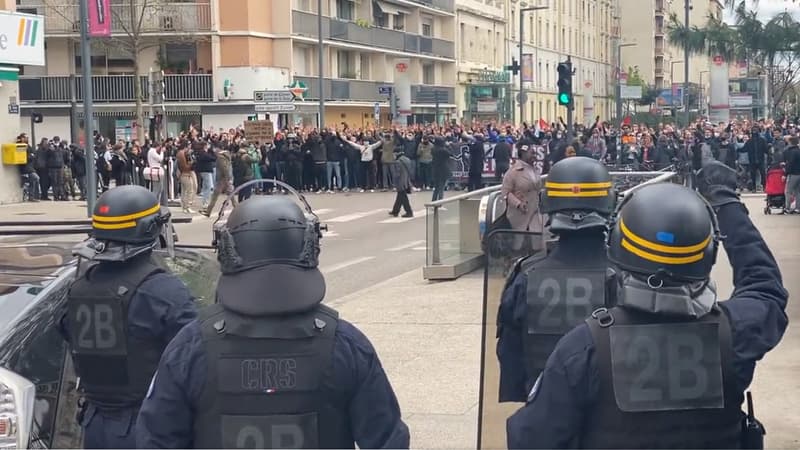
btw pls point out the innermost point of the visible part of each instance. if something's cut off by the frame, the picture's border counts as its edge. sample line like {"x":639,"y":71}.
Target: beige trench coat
{"x":521,"y":185}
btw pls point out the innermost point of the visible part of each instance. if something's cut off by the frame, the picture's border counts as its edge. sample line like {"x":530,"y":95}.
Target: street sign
{"x":276,"y":107}
{"x":279,"y":96}
{"x":384,"y":90}
{"x":376,"y":112}
{"x":630,"y":92}
{"x":522,"y":97}
{"x":13,"y":108}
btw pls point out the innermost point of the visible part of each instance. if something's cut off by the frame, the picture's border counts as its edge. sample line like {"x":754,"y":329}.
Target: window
{"x":382,"y":20}
{"x":301,"y":60}
{"x":427,"y":26}
{"x":302,"y":5}
{"x":345,"y":9}
{"x":365,"y":67}
{"x":428,"y":74}
{"x":346,"y":63}
{"x":400,"y":22}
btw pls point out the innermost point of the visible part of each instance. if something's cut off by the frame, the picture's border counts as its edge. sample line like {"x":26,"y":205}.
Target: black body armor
{"x":266,"y":385}
{"x":664,"y":382}
{"x":115,"y":367}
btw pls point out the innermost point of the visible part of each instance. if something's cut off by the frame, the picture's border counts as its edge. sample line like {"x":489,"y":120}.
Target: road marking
{"x":330,"y":234}
{"x":417,"y":214}
{"x":405,"y":246}
{"x":346,"y":264}
{"x":354,"y":216}
{"x":322,"y":211}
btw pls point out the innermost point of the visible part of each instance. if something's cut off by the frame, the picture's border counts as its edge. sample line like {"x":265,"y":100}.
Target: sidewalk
{"x":428,"y":337}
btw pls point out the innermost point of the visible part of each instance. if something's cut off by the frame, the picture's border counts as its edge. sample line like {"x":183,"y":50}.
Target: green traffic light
{"x":563,"y":98}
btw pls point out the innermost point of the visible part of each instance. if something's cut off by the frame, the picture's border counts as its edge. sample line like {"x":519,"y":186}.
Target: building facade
{"x":483,"y":91}
{"x":216,"y":53}
{"x":645,"y":23}
{"x":580,"y":29}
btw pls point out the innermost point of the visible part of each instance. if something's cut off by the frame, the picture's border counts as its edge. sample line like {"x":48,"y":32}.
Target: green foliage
{"x":635,"y":78}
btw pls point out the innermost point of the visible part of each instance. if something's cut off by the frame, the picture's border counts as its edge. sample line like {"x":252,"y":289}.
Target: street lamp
{"x":522,"y":97}
{"x":702,"y":95}
{"x":619,"y":79}
{"x":671,"y":83}
{"x":320,"y":62}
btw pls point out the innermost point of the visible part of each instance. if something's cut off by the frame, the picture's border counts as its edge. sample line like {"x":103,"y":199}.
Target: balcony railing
{"x":305,"y":24}
{"x":444,"y":5}
{"x":367,"y":91}
{"x":157,"y":17}
{"x":114,"y":88}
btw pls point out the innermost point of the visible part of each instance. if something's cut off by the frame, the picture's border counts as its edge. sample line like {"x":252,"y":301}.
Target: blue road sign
{"x":384,"y":90}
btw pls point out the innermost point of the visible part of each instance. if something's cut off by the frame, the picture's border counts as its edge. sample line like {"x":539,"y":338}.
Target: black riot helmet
{"x":268,"y":251}
{"x":666,"y":232}
{"x":578,"y":195}
{"x":128,"y":215}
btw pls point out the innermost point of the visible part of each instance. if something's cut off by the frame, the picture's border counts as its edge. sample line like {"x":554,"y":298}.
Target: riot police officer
{"x":547,"y":296}
{"x":269,"y":366}
{"x":122,"y":312}
{"x":668,"y":366}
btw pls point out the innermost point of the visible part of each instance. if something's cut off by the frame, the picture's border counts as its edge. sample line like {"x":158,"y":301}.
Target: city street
{"x":363,"y":244}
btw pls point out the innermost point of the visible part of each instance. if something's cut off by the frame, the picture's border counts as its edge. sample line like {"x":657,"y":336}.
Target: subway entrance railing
{"x":455,"y":225}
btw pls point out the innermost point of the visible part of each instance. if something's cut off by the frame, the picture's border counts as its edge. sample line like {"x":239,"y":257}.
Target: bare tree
{"x":138,"y":25}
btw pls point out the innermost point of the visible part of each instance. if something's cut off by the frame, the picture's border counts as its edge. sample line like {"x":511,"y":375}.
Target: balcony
{"x":115,"y":88}
{"x":444,"y":5}
{"x":305,"y":24}
{"x":367,"y":91}
{"x":659,"y":8}
{"x":157,"y":17}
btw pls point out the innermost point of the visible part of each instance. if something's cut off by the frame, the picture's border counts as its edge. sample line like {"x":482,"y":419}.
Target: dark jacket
{"x":55,"y":157}
{"x":206,"y":161}
{"x":441,"y":162}
{"x":502,"y":153}
{"x":317,"y":148}
{"x":791,"y":157}
{"x":78,"y":163}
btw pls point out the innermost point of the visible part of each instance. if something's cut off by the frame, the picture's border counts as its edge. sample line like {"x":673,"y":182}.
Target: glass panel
{"x":448,"y":233}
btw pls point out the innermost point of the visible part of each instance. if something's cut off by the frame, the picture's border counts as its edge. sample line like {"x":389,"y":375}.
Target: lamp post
{"x":686,"y":8}
{"x":522,"y":97}
{"x":702,"y":95}
{"x":671,"y":83}
{"x":320,"y":62}
{"x":88,"y":110}
{"x":619,"y":80}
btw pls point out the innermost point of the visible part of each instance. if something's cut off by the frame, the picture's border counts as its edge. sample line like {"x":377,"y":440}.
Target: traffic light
{"x":565,"y":83}
{"x":37,"y":118}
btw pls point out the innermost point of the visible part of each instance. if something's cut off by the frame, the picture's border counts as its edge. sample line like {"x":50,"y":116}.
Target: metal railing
{"x":453,"y":234}
{"x":114,"y":88}
{"x":157,"y":17}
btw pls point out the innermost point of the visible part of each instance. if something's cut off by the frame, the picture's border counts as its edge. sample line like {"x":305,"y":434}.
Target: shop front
{"x":487,"y":96}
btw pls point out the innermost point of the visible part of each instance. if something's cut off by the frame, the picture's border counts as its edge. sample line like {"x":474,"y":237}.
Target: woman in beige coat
{"x":521,"y":187}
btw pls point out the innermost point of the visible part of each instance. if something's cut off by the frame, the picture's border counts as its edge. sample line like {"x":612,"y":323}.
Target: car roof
{"x":27,"y":270}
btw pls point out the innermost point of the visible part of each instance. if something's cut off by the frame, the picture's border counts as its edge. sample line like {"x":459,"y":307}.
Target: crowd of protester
{"x":210,"y":163}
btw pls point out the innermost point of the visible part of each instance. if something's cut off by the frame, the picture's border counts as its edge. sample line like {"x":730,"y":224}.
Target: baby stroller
{"x":775,"y":188}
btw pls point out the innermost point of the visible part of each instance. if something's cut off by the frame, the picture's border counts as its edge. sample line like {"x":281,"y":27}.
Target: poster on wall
{"x":719,"y":102}
{"x":402,"y":85}
{"x":527,"y":68}
{"x":588,"y":103}
{"x":124,"y":130}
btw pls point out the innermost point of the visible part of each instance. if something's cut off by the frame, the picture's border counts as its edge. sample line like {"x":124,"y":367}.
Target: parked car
{"x":38,"y":396}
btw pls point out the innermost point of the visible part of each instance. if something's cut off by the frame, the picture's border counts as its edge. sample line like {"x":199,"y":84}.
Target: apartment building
{"x":584,"y":30}
{"x":216,"y":53}
{"x":483,"y":91}
{"x":645,"y":23}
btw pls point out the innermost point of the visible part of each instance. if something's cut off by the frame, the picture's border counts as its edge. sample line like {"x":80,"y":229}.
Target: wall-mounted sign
{"x":492,"y":76}
{"x":21,"y":39}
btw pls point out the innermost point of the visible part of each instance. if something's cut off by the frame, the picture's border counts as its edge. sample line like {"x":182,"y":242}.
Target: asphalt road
{"x":363,"y":244}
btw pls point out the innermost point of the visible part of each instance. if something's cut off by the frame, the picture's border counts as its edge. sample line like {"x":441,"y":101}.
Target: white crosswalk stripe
{"x":323,"y":211}
{"x":405,"y":246}
{"x":345,"y":264}
{"x":417,"y":215}
{"x":354,"y":216}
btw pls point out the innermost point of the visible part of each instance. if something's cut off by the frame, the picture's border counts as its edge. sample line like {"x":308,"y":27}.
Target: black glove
{"x":717,"y":183}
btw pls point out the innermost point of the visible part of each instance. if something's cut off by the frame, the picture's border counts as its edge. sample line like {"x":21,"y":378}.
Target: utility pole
{"x":686,"y":9}
{"x":619,"y":80}
{"x":571,"y":106}
{"x":88,"y":110}
{"x":320,"y":62}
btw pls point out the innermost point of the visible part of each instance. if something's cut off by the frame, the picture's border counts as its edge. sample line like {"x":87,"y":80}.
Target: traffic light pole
{"x":521,"y":98}
{"x":88,"y":113}
{"x":571,"y":105}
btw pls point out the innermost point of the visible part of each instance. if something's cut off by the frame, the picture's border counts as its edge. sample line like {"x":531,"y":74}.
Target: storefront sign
{"x":491,"y":76}
{"x":21,"y":39}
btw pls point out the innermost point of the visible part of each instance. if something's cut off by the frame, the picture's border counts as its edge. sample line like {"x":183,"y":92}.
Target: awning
{"x":388,"y":8}
{"x":9,"y":73}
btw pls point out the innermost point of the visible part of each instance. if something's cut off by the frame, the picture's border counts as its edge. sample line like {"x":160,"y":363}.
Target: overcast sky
{"x":768,"y":8}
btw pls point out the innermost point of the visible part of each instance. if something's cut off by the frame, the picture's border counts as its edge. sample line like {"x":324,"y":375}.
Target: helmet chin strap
{"x":109,"y":251}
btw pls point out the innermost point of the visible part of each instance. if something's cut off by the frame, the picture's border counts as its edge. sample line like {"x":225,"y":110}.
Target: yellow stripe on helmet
{"x":675,"y":260}
{"x":641,"y":242}
{"x":554,"y":185}
{"x":113,"y":226}
{"x":127,"y":217}
{"x":577,"y":194}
